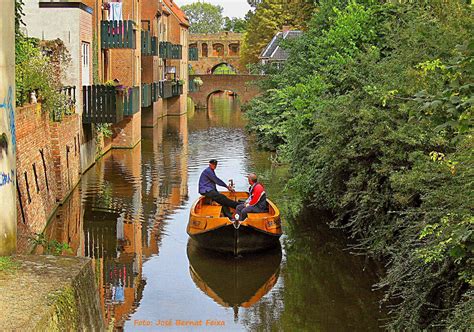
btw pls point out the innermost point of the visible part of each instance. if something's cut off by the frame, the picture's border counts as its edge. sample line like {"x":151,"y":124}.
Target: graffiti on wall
{"x":7,"y":105}
{"x":7,"y":177}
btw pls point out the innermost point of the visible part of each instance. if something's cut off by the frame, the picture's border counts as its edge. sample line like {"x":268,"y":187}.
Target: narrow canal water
{"x":130,"y":213}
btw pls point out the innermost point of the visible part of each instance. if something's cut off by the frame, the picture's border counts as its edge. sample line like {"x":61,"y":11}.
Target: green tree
{"x":204,"y":17}
{"x":235,"y":24}
{"x":269,"y":18}
{"x":373,"y":110}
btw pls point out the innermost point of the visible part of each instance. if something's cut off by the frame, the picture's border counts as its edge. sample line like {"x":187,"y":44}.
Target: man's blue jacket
{"x":208,"y":181}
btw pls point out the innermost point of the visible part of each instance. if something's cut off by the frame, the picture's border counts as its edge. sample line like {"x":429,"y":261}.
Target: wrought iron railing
{"x":117,"y":34}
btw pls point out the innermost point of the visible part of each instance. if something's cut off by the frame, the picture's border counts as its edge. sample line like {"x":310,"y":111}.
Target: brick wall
{"x":127,"y":133}
{"x":35,"y":203}
{"x":242,"y":85}
{"x":66,"y":226}
{"x":65,"y":144}
{"x":39,"y":183}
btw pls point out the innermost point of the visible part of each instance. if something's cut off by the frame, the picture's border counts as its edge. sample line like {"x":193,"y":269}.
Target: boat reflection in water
{"x":233,"y":282}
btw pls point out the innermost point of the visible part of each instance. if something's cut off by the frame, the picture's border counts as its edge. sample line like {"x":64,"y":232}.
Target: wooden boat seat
{"x":258,"y":215}
{"x":208,"y":201}
{"x":211,"y":211}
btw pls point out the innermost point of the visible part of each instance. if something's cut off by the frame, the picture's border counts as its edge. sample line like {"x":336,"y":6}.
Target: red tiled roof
{"x":177,"y":12}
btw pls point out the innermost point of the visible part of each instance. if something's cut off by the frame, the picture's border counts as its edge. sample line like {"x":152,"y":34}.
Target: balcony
{"x":131,"y":101}
{"x":117,"y":34}
{"x":149,"y":44}
{"x":193,"y":54}
{"x":101,"y":104}
{"x":146,"y":95}
{"x":150,"y":93}
{"x":166,"y":89}
{"x":171,"y":51}
{"x":177,"y":89}
{"x":155,"y":91}
{"x":192,"y":86}
{"x":170,"y":89}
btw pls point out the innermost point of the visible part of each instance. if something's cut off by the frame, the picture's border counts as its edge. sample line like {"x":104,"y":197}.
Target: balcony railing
{"x":149,"y":44}
{"x":117,"y":34}
{"x":131,"y":101}
{"x":70,"y":93}
{"x":101,"y":104}
{"x":146,"y":95}
{"x":193,"y":54}
{"x":171,"y":51}
{"x":192,"y":86}
{"x":177,"y":89}
{"x":155,"y":91}
{"x":166,"y":89}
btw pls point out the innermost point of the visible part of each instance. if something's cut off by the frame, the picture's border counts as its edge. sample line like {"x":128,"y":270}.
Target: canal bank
{"x":129,"y":215}
{"x":49,"y":293}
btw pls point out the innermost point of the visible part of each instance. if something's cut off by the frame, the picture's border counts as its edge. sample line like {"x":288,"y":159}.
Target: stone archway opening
{"x":204,"y":52}
{"x":221,"y":97}
{"x":223,"y":68}
{"x":218,"y":50}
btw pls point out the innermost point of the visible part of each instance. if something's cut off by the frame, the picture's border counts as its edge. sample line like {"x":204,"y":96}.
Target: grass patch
{"x":7,"y":264}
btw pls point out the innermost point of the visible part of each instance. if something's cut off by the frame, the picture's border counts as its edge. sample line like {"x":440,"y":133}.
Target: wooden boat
{"x":234,"y":283}
{"x":212,"y":230}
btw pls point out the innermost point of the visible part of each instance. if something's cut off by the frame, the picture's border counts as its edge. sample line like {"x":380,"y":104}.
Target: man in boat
{"x":257,"y":201}
{"x":207,"y":187}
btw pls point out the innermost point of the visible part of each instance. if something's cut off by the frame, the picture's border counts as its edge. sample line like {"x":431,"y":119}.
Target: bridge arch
{"x":213,"y":69}
{"x":239,"y":84}
{"x":217,"y":91}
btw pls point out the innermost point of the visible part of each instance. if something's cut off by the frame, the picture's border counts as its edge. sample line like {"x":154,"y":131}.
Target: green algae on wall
{"x":50,"y":293}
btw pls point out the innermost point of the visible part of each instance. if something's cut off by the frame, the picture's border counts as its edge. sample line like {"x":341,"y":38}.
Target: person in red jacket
{"x":257,"y":201}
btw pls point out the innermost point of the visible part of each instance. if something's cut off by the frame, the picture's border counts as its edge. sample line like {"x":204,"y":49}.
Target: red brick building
{"x":129,"y":67}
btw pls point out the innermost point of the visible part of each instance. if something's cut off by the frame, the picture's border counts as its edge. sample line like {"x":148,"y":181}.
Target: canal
{"x":129,"y":214}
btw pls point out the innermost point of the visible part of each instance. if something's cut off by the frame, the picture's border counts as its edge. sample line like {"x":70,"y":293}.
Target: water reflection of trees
{"x":325,"y":287}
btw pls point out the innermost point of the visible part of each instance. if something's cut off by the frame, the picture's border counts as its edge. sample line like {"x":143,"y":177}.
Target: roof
{"x":273,"y":50}
{"x":177,"y":12}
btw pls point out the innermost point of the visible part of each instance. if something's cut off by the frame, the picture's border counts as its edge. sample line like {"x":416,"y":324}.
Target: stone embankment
{"x":49,"y":293}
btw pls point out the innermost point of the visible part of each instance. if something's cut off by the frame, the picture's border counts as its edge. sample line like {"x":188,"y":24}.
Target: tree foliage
{"x":39,"y":67}
{"x":269,"y":17}
{"x":204,"y":17}
{"x":235,"y":24}
{"x":373,"y":110}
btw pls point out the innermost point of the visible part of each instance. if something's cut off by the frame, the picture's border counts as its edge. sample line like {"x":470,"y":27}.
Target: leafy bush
{"x":373,"y":110}
{"x":39,"y":69}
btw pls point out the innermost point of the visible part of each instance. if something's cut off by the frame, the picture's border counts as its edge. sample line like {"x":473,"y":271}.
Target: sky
{"x":232,"y":8}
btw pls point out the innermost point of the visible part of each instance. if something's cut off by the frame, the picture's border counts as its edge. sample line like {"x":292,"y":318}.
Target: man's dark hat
{"x":213,"y":161}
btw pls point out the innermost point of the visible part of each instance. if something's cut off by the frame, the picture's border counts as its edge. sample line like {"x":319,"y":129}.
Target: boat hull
{"x":210,"y":229}
{"x":243,"y":240}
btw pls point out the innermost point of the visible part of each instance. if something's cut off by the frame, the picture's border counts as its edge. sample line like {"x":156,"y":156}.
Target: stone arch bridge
{"x":215,"y":49}
{"x":242,"y":85}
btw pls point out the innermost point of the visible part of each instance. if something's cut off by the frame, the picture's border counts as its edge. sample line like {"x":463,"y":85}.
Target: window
{"x":217,"y":50}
